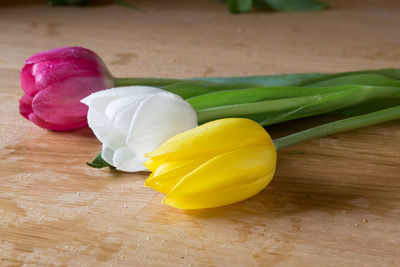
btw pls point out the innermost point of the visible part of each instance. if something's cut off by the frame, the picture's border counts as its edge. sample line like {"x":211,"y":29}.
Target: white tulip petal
{"x":107,"y":154}
{"x":97,"y":118}
{"x":115,"y":93}
{"x":158,"y":118}
{"x":120,"y":112}
{"x":125,"y":160}
{"x":120,"y":104}
{"x":104,"y":130}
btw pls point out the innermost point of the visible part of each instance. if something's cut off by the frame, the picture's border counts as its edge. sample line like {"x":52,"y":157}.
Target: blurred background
{"x":201,"y":38}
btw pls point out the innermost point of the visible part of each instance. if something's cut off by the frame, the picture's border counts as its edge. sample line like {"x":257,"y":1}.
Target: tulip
{"x":215,"y":164}
{"x":55,"y":81}
{"x":131,"y":121}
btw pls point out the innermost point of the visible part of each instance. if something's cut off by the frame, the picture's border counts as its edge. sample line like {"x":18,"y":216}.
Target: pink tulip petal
{"x":61,"y":102}
{"x":49,"y":72}
{"x":28,"y":80}
{"x":56,"y":127}
{"x":63,"y":53}
{"x":25,"y":106}
{"x":86,"y":67}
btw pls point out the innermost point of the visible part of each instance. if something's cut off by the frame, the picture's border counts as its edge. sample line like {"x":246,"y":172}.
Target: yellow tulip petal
{"x":214,"y":138}
{"x":169,"y":174}
{"x":227,"y":178}
{"x":152,"y":165}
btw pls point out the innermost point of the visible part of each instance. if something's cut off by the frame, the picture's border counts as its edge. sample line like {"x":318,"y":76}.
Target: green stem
{"x":145,"y":81}
{"x":339,"y":126}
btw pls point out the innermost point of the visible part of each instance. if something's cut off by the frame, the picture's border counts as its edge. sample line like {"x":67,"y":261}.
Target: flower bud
{"x":131,"y":121}
{"x":215,"y":164}
{"x":55,"y":81}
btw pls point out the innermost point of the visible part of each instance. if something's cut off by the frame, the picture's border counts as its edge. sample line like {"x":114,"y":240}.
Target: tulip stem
{"x":339,"y":126}
{"x":144,"y":81}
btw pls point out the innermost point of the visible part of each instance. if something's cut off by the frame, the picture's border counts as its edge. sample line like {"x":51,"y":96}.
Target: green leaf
{"x":232,"y":97}
{"x":389,"y":73}
{"x":239,"y":6}
{"x":197,"y":86}
{"x":360,"y":100}
{"x":361,"y":79}
{"x":370,"y":106}
{"x":269,"y":80}
{"x":291,"y":5}
{"x":321,"y":104}
{"x":268,"y":112}
{"x":382,"y":101}
{"x":297,"y":79}
{"x":189,"y":89}
{"x":282,"y":105}
{"x":98,"y":162}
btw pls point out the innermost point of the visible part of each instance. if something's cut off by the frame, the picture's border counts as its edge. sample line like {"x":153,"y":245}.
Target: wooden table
{"x":334,"y":201}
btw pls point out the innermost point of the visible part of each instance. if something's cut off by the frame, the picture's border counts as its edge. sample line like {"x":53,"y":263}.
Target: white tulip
{"x":134,"y":120}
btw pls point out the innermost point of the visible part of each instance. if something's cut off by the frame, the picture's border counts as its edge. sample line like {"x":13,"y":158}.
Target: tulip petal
{"x":60,"y":103}
{"x":104,"y":97}
{"x":111,"y":134}
{"x":214,"y":138}
{"x":25,"y":105}
{"x":28,"y":80}
{"x":157,"y":118}
{"x":104,"y":130}
{"x":120,"y":112}
{"x":49,"y":72}
{"x":55,"y":127}
{"x":168,"y":174}
{"x":65,"y":53}
{"x":125,"y":160}
{"x":107,"y":154}
{"x":228,"y":178}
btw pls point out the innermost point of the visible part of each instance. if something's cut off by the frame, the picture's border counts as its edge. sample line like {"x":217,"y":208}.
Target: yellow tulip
{"x":215,"y":164}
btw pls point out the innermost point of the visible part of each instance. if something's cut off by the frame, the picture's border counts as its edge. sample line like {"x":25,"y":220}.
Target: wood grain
{"x":334,"y":201}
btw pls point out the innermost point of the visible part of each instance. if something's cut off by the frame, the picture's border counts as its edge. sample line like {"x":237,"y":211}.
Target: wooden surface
{"x":334,"y":201}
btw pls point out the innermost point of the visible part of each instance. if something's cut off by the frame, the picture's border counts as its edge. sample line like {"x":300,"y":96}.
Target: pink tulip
{"x":55,"y":81}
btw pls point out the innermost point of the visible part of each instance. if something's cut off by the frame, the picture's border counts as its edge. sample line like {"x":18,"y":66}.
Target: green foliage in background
{"x":234,"y":6}
{"x":243,"y":6}
{"x":66,"y":2}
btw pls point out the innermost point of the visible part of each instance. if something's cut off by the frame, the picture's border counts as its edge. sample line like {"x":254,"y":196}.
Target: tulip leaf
{"x":379,"y":102}
{"x":323,"y":104}
{"x":282,"y":108}
{"x":269,"y":80}
{"x":189,"y":89}
{"x":371,"y":106}
{"x":354,"y":102}
{"x":98,"y":162}
{"x":361,"y":79}
{"x":268,"y":112}
{"x":156,"y":82}
{"x":297,"y":79}
{"x":232,"y":97}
